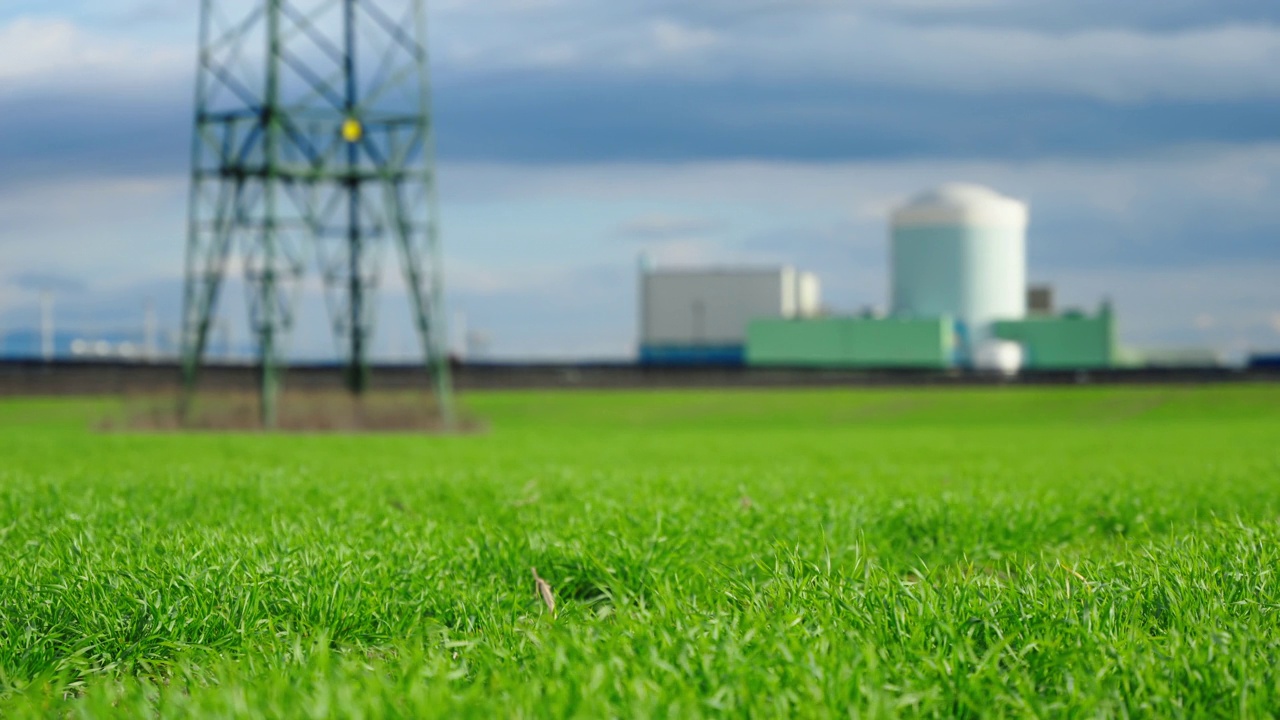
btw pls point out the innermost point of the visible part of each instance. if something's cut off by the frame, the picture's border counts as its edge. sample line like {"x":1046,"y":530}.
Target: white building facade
{"x":693,"y":316}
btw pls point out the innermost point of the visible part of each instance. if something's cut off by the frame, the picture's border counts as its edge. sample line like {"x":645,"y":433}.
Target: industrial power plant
{"x":324,"y":464}
{"x":959,"y":299}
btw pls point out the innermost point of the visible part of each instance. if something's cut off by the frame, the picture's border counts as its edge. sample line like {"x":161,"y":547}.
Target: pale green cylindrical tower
{"x":961,"y":251}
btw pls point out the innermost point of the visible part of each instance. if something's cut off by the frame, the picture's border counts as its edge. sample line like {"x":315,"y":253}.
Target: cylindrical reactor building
{"x":961,"y":251}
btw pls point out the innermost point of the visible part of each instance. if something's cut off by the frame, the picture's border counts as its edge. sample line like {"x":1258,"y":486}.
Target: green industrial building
{"x":852,"y":343}
{"x":959,"y":299}
{"x":1073,"y":341}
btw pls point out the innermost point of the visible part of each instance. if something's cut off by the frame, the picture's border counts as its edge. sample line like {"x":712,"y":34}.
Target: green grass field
{"x":944,"y":553}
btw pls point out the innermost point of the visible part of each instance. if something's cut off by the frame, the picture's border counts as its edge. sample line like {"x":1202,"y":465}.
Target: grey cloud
{"x":793,"y":88}
{"x":547,"y":121}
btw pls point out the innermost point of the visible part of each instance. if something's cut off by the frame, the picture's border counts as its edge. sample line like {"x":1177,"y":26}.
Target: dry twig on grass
{"x":544,"y":590}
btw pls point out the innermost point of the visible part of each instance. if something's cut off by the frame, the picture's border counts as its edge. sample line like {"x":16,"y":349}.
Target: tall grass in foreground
{"x":1076,"y":552}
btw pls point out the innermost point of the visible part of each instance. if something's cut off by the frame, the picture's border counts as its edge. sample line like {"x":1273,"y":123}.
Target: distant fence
{"x":38,"y":379}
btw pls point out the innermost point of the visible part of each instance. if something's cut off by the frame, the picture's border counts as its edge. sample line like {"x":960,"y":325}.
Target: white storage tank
{"x":999,"y":356}
{"x":961,"y":251}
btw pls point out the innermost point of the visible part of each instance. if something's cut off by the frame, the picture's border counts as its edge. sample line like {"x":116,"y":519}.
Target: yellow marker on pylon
{"x":352,"y":130}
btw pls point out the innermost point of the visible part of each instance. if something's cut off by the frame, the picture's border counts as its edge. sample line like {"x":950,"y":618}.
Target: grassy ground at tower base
{"x":936,"y":553}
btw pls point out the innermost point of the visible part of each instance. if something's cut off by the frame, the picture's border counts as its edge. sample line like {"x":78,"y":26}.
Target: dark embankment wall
{"x":38,"y":379}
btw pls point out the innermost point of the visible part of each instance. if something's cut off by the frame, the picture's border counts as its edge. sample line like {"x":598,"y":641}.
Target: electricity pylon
{"x":313,"y":142}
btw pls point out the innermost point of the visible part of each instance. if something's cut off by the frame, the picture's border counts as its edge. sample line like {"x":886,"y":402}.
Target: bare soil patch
{"x":300,"y":411}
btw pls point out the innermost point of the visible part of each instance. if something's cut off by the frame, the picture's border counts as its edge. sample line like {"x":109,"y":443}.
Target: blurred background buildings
{"x":959,"y":299}
{"x":576,"y":135}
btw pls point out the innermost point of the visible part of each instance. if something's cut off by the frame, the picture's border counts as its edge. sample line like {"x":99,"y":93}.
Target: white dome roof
{"x":962,"y":204}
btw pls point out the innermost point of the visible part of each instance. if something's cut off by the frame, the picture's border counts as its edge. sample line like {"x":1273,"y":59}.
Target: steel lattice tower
{"x":313,"y":144}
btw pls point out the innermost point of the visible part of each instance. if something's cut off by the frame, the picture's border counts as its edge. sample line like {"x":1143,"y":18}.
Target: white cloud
{"x":673,"y":37}
{"x":849,"y":44}
{"x":112,"y":230}
{"x":467,"y":275}
{"x":662,"y":226}
{"x":701,"y":252}
{"x":822,"y":44}
{"x":52,"y":53}
{"x":828,"y":42}
{"x":1185,"y":179}
{"x":1217,"y":63}
{"x":553,"y":55}
{"x":1118,"y":65}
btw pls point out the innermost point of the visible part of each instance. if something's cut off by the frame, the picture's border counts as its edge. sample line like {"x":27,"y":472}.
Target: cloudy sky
{"x":576,"y":134}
